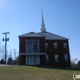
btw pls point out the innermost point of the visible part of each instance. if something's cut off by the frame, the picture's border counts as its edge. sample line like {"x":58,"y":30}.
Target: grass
{"x":36,"y":73}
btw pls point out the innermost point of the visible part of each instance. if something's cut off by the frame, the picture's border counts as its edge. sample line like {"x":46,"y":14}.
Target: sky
{"x":61,"y":17}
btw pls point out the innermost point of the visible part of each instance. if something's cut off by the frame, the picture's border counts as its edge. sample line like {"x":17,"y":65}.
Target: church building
{"x":44,"y":48}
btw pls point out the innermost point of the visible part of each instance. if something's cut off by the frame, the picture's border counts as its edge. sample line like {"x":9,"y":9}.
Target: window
{"x":64,"y":45}
{"x":47,"y":58}
{"x":66,"y":57}
{"x":35,"y":59}
{"x":46,"y":45}
{"x":32,"y":46}
{"x":56,"y":58}
{"x":27,"y":60}
{"x":55,"y":45}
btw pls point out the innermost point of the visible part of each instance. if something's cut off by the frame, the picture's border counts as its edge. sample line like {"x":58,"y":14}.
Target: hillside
{"x":36,"y":73}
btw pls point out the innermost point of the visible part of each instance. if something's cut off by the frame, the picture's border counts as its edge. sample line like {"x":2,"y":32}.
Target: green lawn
{"x":35,"y":73}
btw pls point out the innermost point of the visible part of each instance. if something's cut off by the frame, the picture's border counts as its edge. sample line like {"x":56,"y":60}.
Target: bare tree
{"x":0,"y":50}
{"x":14,"y":51}
{"x":74,"y":62}
{"x":78,"y":64}
{"x":11,"y":54}
{"x":17,"y":60}
{"x":10,"y":58}
{"x":2,"y":53}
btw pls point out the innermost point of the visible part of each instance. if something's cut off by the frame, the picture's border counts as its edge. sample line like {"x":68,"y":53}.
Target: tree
{"x":73,"y":62}
{"x":14,"y":51}
{"x":78,"y":64}
{"x":10,"y":61}
{"x":10,"y":54}
{"x":2,"y":61}
{"x":2,"y":53}
{"x":0,"y":50}
{"x":17,"y":60}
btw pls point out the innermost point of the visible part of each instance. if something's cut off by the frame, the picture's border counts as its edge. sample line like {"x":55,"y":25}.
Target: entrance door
{"x":32,"y":60}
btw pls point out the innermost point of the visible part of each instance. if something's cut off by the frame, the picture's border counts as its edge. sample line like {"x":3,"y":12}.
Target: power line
{"x":12,"y":48}
{"x":14,"y":51}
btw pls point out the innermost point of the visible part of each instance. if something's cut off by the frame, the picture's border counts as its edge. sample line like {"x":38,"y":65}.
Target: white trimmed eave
{"x":31,"y":36}
{"x":56,"y":39}
{"x":51,"y":36}
{"x":32,"y":53}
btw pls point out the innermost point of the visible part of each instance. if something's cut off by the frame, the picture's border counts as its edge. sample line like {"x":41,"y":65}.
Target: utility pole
{"x":6,"y":39}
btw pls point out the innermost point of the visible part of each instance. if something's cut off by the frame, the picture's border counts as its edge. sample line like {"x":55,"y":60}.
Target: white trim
{"x":32,"y":53}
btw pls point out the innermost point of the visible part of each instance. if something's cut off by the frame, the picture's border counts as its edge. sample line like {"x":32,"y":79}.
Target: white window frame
{"x":46,"y":45}
{"x":47,"y":58}
{"x":64,"y":45}
{"x":30,"y":60}
{"x":55,"y":45}
{"x":56,"y":58}
{"x":66,"y":57}
{"x":30,"y":48}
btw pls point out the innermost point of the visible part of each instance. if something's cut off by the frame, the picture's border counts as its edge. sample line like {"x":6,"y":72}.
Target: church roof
{"x":51,"y":36}
{"x":47,"y":35}
{"x":31,"y":34}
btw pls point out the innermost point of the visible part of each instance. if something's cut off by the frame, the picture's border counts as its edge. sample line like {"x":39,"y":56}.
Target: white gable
{"x":49,"y":36}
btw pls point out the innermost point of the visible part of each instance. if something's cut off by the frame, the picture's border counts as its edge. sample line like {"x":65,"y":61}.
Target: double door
{"x":32,"y":60}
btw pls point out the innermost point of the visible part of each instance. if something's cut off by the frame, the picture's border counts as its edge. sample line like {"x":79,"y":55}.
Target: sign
{"x":76,"y":76}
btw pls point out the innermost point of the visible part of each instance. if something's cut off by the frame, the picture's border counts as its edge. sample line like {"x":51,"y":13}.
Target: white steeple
{"x":43,"y":29}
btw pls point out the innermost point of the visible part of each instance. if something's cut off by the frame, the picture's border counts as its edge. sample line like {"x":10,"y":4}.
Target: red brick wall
{"x":42,"y":60}
{"x":22,"y":60}
{"x":50,"y":51}
{"x":22,"y":46}
{"x":22,"y":43}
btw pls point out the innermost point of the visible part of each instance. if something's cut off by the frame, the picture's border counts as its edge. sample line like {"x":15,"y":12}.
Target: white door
{"x":32,"y":60}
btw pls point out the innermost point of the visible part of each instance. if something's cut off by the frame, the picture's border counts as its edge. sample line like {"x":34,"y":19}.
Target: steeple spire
{"x":43,"y":29}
